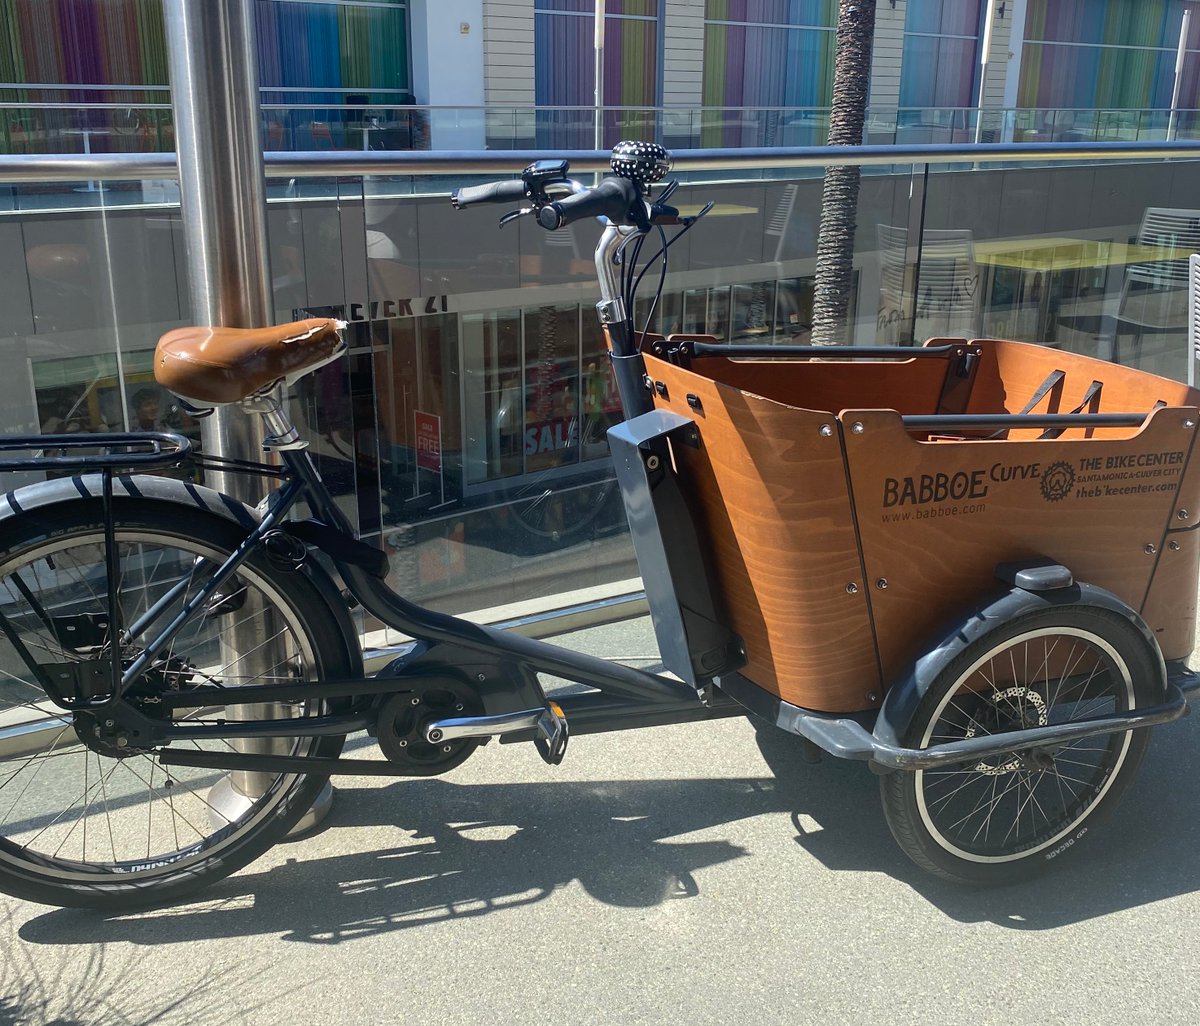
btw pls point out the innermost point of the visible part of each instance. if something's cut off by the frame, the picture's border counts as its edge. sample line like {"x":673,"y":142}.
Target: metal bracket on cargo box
{"x":688,"y":618}
{"x":960,"y":379}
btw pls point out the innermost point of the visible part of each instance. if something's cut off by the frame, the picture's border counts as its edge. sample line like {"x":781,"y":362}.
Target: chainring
{"x":400,"y":726}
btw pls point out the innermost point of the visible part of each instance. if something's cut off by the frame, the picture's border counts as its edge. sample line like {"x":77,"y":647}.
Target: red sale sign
{"x":429,"y":441}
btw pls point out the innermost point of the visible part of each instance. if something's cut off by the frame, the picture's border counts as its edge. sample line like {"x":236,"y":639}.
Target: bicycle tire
{"x":56,"y":551}
{"x":1009,"y":817}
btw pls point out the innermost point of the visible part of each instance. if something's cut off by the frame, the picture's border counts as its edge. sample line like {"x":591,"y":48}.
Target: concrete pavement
{"x":692,"y":874}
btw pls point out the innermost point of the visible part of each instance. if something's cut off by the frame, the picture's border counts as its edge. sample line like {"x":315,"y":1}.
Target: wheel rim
{"x":72,"y":815}
{"x":556,"y":514}
{"x":1018,"y":804}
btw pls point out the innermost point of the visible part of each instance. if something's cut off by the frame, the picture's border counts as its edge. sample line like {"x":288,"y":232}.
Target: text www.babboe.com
{"x":933,"y":512}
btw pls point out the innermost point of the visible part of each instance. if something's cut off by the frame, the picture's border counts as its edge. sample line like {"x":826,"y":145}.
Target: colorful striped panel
{"x":331,"y":46}
{"x":1130,"y":64}
{"x":756,"y":67}
{"x":90,"y":42}
{"x":564,"y":74}
{"x":937,"y":69}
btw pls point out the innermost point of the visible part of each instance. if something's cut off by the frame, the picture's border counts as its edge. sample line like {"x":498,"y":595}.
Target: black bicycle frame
{"x":503,"y":667}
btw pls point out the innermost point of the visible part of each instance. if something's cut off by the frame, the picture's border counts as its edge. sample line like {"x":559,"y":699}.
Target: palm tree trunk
{"x":839,"y":200}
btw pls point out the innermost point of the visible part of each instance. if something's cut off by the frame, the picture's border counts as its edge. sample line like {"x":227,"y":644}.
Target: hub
{"x":1014,"y":708}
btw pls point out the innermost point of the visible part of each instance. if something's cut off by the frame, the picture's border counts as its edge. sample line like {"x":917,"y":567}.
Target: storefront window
{"x":753,"y":312}
{"x":601,"y":402}
{"x":793,"y":310}
{"x":495,"y":412}
{"x":78,"y":394}
{"x":551,"y":387}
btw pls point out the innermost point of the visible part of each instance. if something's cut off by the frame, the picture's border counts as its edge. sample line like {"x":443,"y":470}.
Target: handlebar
{"x":618,"y":199}
{"x":494,"y":192}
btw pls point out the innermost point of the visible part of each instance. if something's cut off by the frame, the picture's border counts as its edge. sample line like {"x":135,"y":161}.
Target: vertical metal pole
{"x":598,"y":140}
{"x":213,"y":62}
{"x":985,"y":46}
{"x":1180,"y":55}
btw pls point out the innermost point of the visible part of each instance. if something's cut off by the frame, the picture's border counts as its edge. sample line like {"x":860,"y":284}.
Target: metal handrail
{"x":75,"y":167}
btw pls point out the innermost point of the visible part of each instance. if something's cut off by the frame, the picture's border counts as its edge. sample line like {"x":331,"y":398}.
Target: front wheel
{"x":83,"y":823}
{"x":1009,"y":816}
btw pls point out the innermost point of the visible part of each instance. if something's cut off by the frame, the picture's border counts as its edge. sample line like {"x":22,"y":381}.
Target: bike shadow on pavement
{"x":1144,"y":852}
{"x":475,"y":849}
{"x":467,"y":850}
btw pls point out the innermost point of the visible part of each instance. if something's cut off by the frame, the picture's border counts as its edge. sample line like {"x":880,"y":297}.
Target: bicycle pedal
{"x":553,"y":734}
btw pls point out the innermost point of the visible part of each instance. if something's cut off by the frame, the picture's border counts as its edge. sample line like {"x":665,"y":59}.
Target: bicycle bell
{"x":642,"y":162}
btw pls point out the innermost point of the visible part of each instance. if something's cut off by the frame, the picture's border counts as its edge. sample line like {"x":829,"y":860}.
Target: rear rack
{"x":141,"y":450}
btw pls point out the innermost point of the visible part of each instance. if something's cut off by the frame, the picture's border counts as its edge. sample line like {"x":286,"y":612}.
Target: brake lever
{"x":689,"y":221}
{"x":513,"y":215}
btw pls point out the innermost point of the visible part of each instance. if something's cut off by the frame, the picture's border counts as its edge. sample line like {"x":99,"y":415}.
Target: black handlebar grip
{"x":613,"y":198}
{"x":494,"y":192}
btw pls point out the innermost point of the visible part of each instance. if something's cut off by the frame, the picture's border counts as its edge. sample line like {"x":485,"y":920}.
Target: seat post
{"x":281,"y":431}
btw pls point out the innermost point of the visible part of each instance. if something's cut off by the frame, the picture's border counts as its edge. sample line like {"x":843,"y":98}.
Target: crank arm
{"x":549,"y":722}
{"x":458,"y":727}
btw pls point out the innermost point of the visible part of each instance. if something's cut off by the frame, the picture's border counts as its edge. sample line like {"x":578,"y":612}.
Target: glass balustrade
{"x":50,"y":126}
{"x":465,"y":431}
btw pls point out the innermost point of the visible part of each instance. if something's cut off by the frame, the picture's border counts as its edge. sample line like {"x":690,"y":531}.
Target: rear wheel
{"x":86,"y":823}
{"x":1008,"y":816}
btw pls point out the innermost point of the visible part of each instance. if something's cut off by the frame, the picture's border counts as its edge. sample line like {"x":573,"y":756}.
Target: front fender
{"x":64,"y":491}
{"x":900,"y":705}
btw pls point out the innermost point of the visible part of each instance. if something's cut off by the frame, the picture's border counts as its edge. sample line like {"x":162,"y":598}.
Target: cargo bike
{"x":971,"y":565}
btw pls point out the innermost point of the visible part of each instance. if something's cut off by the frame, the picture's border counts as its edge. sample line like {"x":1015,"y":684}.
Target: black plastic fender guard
{"x":903,"y":698}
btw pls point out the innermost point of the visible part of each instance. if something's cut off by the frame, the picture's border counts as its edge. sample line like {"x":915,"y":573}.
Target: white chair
{"x":948,"y":281}
{"x":1154,"y":296}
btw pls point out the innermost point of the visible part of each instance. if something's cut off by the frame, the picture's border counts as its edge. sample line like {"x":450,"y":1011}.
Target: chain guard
{"x":400,"y":726}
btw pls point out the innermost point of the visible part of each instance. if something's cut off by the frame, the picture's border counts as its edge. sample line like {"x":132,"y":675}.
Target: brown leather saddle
{"x":208,"y":367}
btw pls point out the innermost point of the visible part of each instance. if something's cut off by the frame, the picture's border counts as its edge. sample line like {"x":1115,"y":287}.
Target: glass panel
{"x":774,"y":12}
{"x":793,"y":311}
{"x":1090,"y":260}
{"x":86,"y":293}
{"x":767,"y":67}
{"x":753,"y":318}
{"x":1089,"y":77}
{"x":464,"y":433}
{"x":923,"y":16}
{"x":938,"y":71}
{"x":642,"y":8}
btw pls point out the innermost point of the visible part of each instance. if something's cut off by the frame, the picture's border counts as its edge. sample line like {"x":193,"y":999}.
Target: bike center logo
{"x":1109,"y":476}
{"x":1058,"y":480}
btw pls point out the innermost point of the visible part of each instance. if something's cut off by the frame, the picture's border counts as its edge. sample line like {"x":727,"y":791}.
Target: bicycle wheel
{"x":86,"y":824}
{"x":1008,"y":816}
